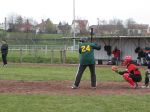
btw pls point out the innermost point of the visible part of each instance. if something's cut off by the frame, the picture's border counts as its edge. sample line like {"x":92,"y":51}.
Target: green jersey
{"x":86,"y":51}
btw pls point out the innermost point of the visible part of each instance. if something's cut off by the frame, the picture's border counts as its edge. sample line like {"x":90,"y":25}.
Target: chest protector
{"x":132,"y":68}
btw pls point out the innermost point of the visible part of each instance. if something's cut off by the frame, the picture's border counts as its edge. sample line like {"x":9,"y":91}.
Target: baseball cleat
{"x":93,"y":87}
{"x":134,"y":86}
{"x":145,"y":87}
{"x":74,"y":87}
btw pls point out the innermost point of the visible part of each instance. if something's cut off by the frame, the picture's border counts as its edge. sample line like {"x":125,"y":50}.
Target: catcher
{"x":132,"y":75}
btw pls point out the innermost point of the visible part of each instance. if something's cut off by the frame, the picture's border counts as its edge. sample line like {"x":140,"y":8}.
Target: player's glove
{"x":114,"y":68}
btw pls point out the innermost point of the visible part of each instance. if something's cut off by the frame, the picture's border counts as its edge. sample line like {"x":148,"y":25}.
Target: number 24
{"x":85,"y":48}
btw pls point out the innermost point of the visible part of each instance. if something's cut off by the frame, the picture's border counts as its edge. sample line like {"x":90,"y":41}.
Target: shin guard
{"x":128,"y":79}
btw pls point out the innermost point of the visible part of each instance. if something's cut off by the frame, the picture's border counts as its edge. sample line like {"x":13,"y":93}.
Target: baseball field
{"x":47,"y":88}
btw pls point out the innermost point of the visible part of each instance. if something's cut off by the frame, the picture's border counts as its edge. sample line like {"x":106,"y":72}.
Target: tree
{"x":11,"y":21}
{"x":18,"y":23}
{"x":118,"y":25}
{"x":102,"y":22}
{"x":64,"y":28}
{"x":50,"y":27}
{"x":129,"y":25}
{"x":129,"y":22}
{"x":116,"y":22}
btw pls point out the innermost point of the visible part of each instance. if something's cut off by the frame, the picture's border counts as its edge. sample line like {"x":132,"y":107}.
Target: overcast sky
{"x":62,"y":10}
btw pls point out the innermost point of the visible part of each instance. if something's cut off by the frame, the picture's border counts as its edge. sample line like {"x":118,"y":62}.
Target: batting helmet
{"x":83,"y":39}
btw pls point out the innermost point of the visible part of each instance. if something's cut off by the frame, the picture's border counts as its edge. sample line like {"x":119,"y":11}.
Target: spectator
{"x":116,"y":58}
{"x":4,"y":51}
{"x":141,"y":57}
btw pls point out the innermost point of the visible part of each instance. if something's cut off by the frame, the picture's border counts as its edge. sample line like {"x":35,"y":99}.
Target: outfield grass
{"x":46,"y":103}
{"x":65,"y":103}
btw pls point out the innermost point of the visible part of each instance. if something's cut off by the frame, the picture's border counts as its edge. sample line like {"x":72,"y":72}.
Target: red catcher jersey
{"x":132,"y":68}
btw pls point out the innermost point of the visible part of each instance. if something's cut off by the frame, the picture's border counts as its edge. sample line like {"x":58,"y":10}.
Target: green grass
{"x":46,"y":103}
{"x":66,"y":103}
{"x":47,"y":72}
{"x":40,"y":56}
{"x":46,"y":36}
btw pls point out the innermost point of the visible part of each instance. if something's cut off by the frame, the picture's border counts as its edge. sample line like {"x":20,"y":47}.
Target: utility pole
{"x":98,"y":29}
{"x":5,"y":24}
{"x":74,"y":42}
{"x":4,"y":29}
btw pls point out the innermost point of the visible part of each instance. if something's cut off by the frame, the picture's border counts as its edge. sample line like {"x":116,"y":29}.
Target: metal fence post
{"x":21,"y":55}
{"x":61,"y":58}
{"x":64,"y":56}
{"x":52,"y":56}
{"x":26,"y":48}
{"x":45,"y":49}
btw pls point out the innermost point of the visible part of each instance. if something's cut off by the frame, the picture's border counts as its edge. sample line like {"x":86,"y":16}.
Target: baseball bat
{"x":91,"y":34}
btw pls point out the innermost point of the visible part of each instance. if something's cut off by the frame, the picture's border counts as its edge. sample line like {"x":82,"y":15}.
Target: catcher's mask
{"x":84,"y":39}
{"x":127,"y":60}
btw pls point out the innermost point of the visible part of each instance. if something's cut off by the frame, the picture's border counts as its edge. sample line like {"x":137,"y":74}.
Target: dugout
{"x":126,"y":44}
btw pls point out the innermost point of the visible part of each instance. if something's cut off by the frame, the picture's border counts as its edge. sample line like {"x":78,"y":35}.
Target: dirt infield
{"x":64,"y":88}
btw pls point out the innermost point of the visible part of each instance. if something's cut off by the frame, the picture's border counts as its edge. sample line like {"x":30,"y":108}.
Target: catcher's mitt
{"x":114,"y":68}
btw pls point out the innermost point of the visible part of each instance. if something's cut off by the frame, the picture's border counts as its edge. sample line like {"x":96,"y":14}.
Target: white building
{"x":79,"y":26}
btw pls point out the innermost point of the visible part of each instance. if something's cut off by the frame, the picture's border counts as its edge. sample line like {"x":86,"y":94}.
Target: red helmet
{"x":128,"y":58}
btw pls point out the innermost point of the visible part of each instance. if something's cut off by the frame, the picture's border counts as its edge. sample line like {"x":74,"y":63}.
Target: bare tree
{"x":18,"y":23}
{"x":116,"y":22}
{"x":129,"y":21}
{"x":11,"y":21}
{"x":103,"y":22}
